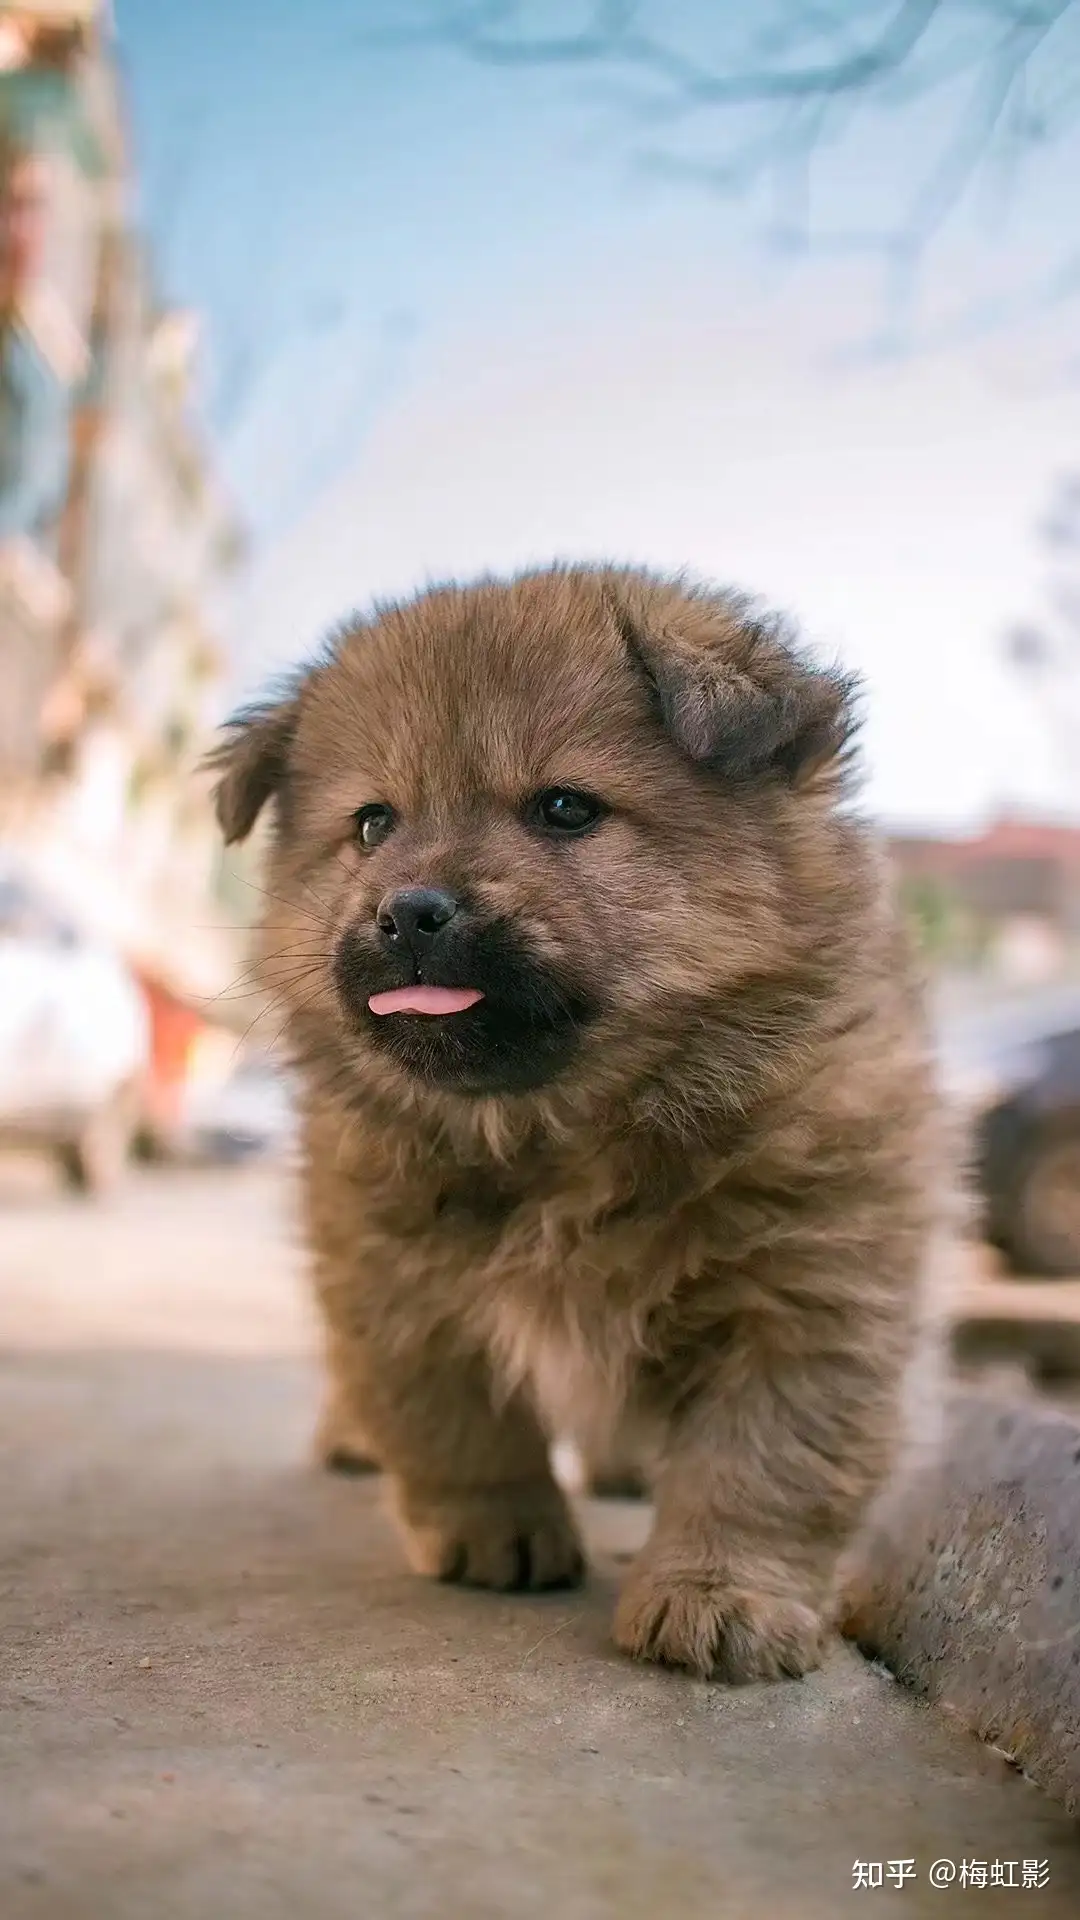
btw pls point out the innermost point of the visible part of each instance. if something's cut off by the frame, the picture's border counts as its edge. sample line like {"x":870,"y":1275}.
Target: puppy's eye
{"x":565,"y":810}
{"x":372,"y":824}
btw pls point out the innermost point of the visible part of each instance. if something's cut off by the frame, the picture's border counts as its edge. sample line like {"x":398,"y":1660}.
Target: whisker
{"x":324,"y":905}
{"x":292,"y":1013}
{"x":230,"y":996}
{"x":250,"y":977}
{"x":291,"y":946}
{"x":291,"y":904}
{"x":273,"y":1004}
{"x":245,"y":1036}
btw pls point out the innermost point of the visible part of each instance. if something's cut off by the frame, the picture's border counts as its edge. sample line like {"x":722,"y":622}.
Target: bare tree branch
{"x":1002,"y":81}
{"x":613,"y":37}
{"x":801,"y":76}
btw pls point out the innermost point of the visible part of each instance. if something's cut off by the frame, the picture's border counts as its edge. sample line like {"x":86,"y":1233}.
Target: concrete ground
{"x":221,"y":1695}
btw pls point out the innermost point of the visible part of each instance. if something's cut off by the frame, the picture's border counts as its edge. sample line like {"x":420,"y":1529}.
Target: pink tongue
{"x":425,"y":1000}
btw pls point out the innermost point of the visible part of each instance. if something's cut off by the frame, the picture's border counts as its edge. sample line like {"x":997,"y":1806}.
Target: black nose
{"x":415,"y":917}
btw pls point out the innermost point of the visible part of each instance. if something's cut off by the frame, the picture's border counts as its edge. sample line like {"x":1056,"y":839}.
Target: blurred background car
{"x":74,"y":1040}
{"x":234,"y":1108}
{"x":1014,"y":1074}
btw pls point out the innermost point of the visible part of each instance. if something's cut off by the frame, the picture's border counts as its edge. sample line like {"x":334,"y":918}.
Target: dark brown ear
{"x":252,"y":759}
{"x":732,"y":687}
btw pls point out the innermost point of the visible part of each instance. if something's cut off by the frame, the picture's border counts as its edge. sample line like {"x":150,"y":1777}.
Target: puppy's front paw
{"x":719,"y":1631}
{"x":515,"y":1539}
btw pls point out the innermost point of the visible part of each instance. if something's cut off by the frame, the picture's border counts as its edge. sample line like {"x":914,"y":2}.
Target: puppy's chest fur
{"x":570,"y":1293}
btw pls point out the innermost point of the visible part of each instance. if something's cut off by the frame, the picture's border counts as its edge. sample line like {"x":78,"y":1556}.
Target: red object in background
{"x":174,"y":1032}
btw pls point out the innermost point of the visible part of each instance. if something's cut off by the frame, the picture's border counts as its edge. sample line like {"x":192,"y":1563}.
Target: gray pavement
{"x":222,"y":1696}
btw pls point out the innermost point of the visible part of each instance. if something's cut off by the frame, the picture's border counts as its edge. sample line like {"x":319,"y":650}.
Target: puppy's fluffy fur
{"x":673,"y":1183}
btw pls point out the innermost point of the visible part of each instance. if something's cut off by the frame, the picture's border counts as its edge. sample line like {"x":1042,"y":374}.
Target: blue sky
{"x":452,"y":324}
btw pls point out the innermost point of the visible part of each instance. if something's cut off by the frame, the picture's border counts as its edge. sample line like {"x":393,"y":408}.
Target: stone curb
{"x":970,"y":1587}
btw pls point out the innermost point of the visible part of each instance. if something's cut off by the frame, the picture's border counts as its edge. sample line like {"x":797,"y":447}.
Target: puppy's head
{"x":549,"y":831}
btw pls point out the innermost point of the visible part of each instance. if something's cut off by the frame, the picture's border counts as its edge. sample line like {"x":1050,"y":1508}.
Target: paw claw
{"x":512,"y":1541}
{"x":716,"y":1630}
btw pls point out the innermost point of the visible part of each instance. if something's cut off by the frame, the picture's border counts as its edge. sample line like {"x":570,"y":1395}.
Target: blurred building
{"x":1011,"y":891}
{"x":116,"y":545}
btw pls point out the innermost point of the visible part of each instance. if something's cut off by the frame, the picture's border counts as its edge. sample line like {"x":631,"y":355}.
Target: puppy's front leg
{"x":471,"y":1486}
{"x":772,"y":1456}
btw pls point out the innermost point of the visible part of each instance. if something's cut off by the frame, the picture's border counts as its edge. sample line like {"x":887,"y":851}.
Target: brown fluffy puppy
{"x":668,"y":1178}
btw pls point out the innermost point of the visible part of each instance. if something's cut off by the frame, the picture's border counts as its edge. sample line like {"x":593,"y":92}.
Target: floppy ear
{"x":252,"y":760}
{"x":734,"y":691}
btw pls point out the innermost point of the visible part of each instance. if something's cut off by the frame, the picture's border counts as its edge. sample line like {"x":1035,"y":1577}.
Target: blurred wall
{"x":116,"y":543}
